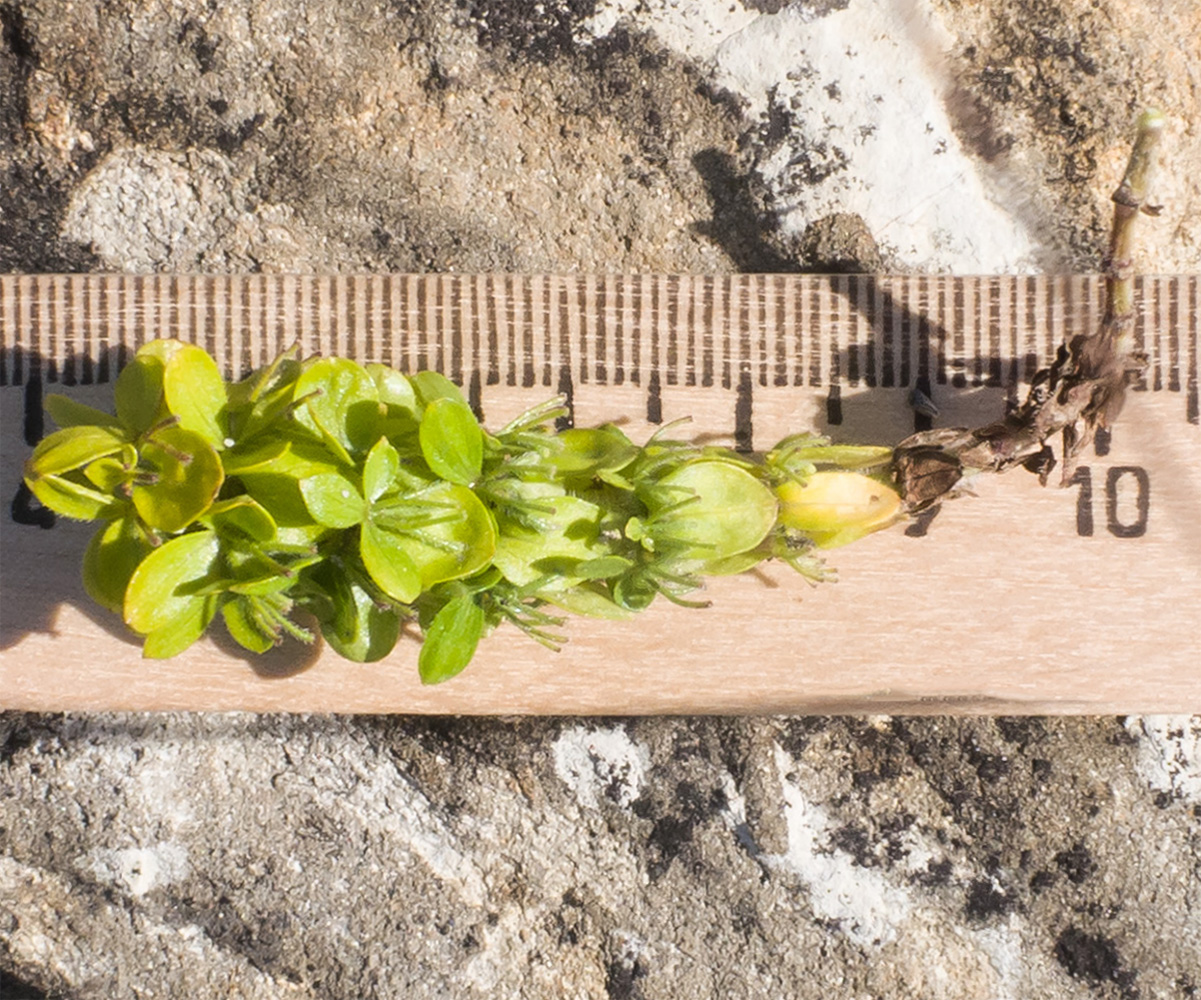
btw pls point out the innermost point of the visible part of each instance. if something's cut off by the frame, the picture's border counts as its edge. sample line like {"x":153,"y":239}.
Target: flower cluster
{"x":321,"y":493}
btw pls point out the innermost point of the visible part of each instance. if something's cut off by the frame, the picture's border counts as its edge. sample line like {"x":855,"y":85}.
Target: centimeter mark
{"x":738,"y":332}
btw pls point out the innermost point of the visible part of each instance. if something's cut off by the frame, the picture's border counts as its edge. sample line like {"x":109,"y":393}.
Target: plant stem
{"x":1082,"y":391}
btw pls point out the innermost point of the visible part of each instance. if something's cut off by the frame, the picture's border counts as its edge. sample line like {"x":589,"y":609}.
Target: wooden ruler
{"x":1086,"y":599}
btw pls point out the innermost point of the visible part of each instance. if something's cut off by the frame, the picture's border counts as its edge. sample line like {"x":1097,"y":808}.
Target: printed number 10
{"x":1118,"y":526}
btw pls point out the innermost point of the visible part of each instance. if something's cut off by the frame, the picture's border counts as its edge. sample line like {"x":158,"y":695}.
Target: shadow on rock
{"x":737,"y":224}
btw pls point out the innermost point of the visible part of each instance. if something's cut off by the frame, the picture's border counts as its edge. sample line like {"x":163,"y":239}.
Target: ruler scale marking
{"x":43,"y":308}
{"x":654,"y":318}
{"x":6,"y":291}
{"x":1140,"y":329}
{"x":889,"y":335}
{"x":1192,"y":406}
{"x":1157,"y":328}
{"x":1174,"y":334}
{"x":72,"y":333}
{"x":788,"y":329}
{"x":763,"y":309}
{"x":781,"y":321}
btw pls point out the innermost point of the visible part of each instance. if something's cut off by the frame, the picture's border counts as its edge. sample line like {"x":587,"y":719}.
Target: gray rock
{"x":231,"y":855}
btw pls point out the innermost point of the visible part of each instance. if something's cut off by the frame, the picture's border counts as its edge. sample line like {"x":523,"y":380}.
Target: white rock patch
{"x":857,"y":98}
{"x":867,"y":907}
{"x":137,"y":869}
{"x":1169,"y":758}
{"x":601,"y":763}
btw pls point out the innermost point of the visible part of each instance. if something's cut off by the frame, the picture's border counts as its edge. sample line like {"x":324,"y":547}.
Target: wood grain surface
{"x":1020,"y":600}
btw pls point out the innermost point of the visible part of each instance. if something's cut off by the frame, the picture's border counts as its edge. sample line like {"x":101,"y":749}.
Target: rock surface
{"x":388,"y":857}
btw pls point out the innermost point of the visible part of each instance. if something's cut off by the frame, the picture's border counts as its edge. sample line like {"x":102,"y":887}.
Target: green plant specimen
{"x":319,"y":490}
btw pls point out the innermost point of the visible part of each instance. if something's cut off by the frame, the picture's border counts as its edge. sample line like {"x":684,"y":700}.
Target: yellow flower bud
{"x":834,"y":508}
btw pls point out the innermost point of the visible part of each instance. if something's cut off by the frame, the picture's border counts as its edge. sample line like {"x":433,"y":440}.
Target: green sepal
{"x":634,"y":591}
{"x":589,"y":600}
{"x":603,"y":567}
{"x":566,"y":540}
{"x":735,"y":564}
{"x":457,"y":547}
{"x":710,"y":510}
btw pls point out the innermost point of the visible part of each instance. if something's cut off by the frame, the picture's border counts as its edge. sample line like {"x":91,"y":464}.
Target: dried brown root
{"x":1082,"y":390}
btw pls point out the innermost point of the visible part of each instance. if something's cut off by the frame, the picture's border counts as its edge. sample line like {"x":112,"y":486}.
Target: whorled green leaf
{"x":242,"y":514}
{"x":333,"y":500}
{"x":194,"y":389}
{"x":451,"y":640}
{"x":260,"y":400}
{"x":343,"y":404}
{"x":591,"y":451}
{"x":567,"y":540}
{"x":162,"y":588}
{"x":732,"y":511}
{"x":178,"y":634}
{"x":457,"y":547}
{"x":72,"y":448}
{"x":53,"y":474}
{"x":242,"y":627}
{"x":429,"y":386}
{"x":262,"y":456}
{"x":276,"y":484}
{"x":67,"y":412}
{"x":264,"y":585}
{"x":138,"y":393}
{"x":74,"y":499}
{"x":380,"y":469}
{"x":109,"y":561}
{"x":589,"y":600}
{"x":389,"y":564}
{"x":452,"y":441}
{"x":354,"y":625}
{"x":395,"y":390}
{"x":188,"y":475}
